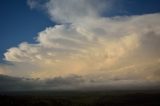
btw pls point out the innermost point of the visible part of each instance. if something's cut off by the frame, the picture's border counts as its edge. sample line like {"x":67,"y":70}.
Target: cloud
{"x":9,"y":83}
{"x":4,"y":69}
{"x":101,"y":49}
{"x":97,"y":47}
{"x":71,"y":82}
{"x":72,"y":10}
{"x":36,"y":4}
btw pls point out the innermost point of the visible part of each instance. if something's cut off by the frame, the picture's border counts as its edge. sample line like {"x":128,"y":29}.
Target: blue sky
{"x":135,"y":7}
{"x":19,"y":23}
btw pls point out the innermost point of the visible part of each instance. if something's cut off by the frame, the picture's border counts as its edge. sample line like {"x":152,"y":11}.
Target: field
{"x":81,"y":98}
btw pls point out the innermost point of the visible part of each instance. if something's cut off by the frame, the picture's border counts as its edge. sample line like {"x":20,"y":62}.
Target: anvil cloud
{"x":90,"y":45}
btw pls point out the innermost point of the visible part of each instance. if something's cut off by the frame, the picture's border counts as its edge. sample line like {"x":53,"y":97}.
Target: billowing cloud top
{"x":86,"y":44}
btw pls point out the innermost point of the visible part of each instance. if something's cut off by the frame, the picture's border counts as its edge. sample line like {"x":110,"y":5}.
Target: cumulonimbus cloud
{"x":99,"y":48}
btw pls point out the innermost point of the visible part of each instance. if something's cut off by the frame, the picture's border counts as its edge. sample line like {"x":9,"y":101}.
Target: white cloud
{"x":96,"y":47}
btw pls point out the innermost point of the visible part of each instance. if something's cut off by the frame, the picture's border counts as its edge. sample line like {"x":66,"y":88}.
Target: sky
{"x":19,"y":23}
{"x":84,"y":42}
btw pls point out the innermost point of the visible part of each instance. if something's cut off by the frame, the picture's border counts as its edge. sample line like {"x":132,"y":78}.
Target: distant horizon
{"x":18,"y":84}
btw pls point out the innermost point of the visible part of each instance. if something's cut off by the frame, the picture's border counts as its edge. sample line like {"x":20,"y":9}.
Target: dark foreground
{"x":81,"y":98}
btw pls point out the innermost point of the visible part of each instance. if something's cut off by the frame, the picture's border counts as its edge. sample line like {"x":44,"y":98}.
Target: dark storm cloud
{"x":73,"y":82}
{"x":8,"y":83}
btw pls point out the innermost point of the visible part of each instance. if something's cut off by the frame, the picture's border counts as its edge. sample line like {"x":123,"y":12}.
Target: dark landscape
{"x":81,"y":98}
